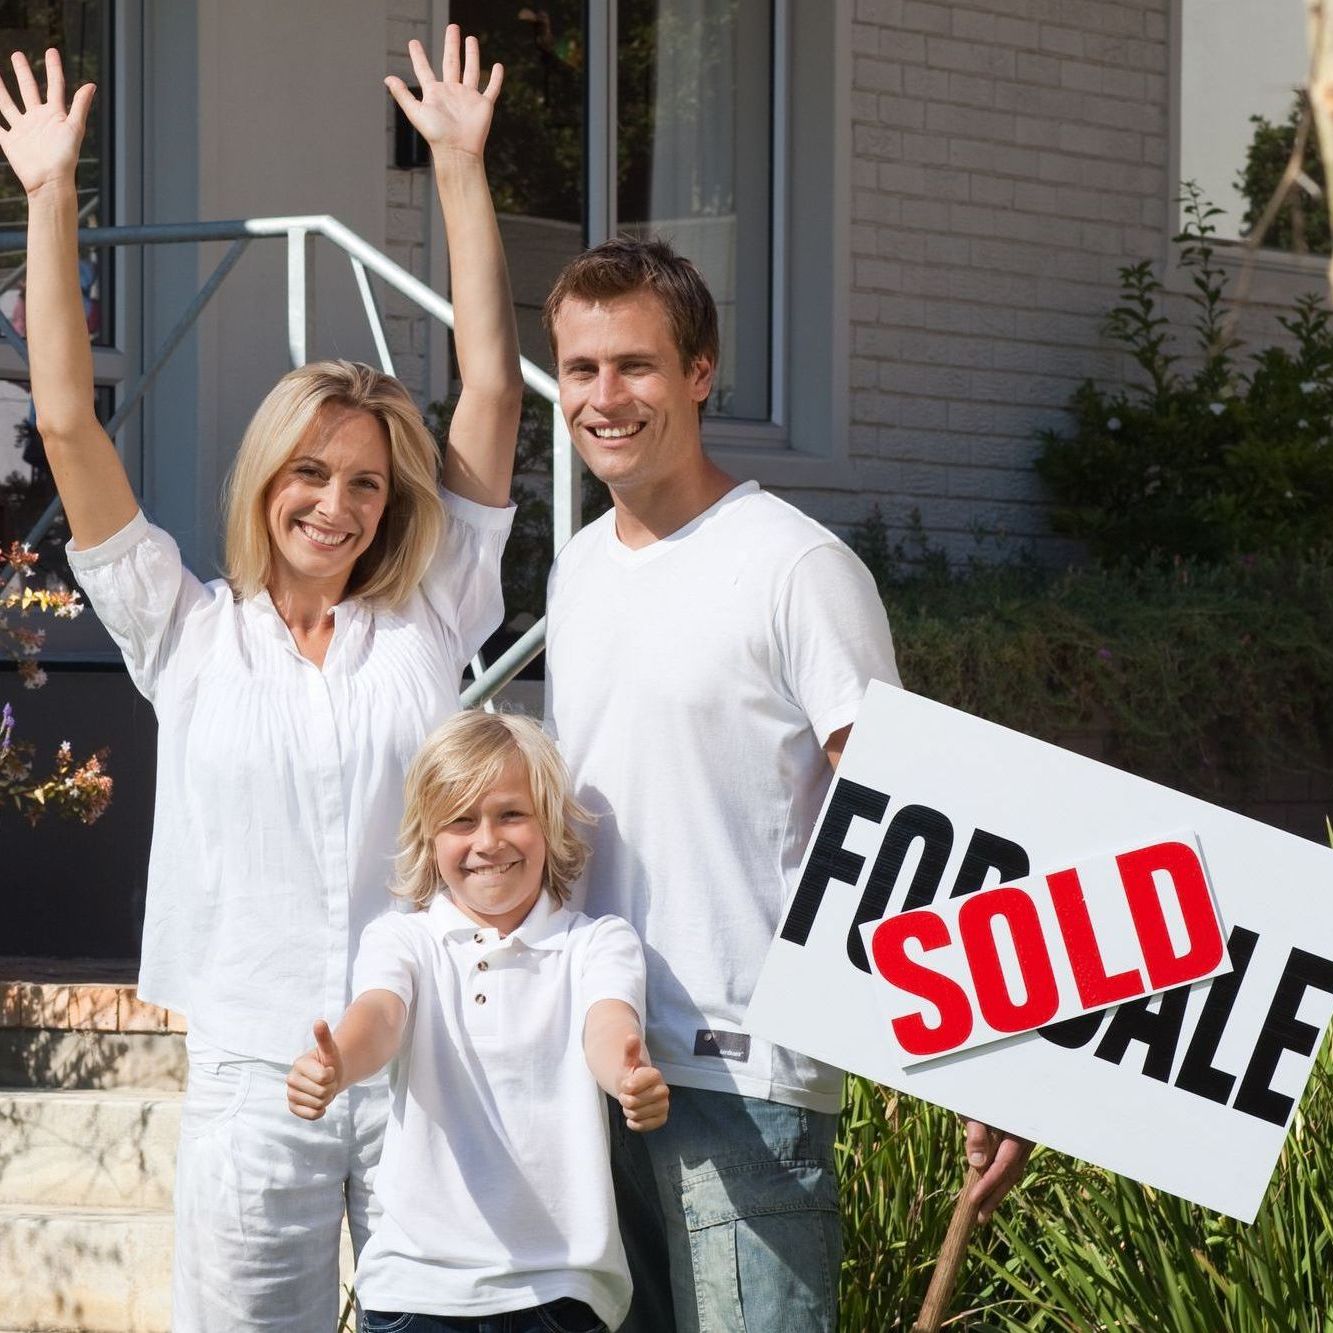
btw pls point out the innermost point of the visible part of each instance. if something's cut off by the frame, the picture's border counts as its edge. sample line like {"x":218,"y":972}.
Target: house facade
{"x":913,"y":214}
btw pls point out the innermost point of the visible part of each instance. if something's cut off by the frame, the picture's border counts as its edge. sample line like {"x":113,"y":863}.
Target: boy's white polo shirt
{"x":495,"y":1181}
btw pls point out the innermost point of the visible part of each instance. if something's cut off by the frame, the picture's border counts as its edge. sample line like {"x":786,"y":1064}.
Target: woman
{"x":290,"y":698}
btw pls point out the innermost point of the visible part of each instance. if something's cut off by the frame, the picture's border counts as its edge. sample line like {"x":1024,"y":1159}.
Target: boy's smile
{"x":492,"y":855}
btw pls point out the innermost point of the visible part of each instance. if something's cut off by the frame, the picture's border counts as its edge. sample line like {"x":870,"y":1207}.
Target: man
{"x":708,"y":646}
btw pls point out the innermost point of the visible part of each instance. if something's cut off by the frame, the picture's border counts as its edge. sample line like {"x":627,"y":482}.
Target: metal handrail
{"x":364,"y":259}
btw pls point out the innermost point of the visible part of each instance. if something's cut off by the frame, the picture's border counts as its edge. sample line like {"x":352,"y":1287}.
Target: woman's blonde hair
{"x":456,"y":765}
{"x":409,"y":531}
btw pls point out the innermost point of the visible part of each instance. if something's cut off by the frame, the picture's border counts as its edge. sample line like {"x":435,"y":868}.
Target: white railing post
{"x":372,"y":309}
{"x":566,"y":482}
{"x":300,"y":296}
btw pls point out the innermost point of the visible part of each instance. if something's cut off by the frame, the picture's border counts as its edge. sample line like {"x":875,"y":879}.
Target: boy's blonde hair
{"x":456,"y":765}
{"x":409,"y":531}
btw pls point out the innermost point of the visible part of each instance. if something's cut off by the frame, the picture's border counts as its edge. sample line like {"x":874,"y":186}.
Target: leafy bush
{"x":1209,"y":465}
{"x":1077,"y":1248}
{"x":1204,"y":677}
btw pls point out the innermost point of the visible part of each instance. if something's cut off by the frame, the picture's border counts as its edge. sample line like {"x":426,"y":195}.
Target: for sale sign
{"x":1193,"y":947}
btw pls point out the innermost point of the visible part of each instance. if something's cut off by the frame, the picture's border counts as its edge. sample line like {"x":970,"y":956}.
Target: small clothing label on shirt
{"x":728,"y":1045}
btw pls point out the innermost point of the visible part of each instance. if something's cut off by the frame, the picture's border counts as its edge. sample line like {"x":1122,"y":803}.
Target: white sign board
{"x":1190,"y":1090}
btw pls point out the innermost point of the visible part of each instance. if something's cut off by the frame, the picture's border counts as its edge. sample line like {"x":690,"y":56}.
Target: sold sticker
{"x":972,"y":970}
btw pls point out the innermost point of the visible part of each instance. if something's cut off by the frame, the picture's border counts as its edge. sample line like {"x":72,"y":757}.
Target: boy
{"x":507,"y":1013}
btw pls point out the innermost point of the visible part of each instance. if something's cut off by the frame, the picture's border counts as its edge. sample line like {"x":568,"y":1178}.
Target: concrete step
{"x":106,"y":1148}
{"x":92,"y":1270}
{"x":95,"y":1270}
{"x":39,"y":1057}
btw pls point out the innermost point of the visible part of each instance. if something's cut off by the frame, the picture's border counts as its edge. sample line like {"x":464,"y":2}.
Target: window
{"x":81,"y":31}
{"x":647,"y":117}
{"x":1238,"y":60}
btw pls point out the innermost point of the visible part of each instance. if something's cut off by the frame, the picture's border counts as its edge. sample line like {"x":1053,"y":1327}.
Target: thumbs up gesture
{"x":641,"y":1090}
{"x":316,"y":1077}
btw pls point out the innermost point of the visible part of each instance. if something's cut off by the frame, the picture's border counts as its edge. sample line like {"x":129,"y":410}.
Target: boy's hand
{"x":42,"y":140}
{"x":316,"y":1077}
{"x":453,"y":114}
{"x":642,"y":1091}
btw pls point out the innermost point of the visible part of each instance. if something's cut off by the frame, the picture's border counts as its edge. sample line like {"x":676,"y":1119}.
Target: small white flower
{"x":1216,"y":409}
{"x":36,"y":680}
{"x":1303,"y":424}
{"x":1113,"y":424}
{"x":1287,"y":494}
{"x":1308,"y":386}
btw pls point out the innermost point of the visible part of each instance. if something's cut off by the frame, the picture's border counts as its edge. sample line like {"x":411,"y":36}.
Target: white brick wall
{"x":1008,"y":157}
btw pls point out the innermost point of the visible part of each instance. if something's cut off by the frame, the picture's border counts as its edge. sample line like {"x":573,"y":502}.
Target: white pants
{"x":260,"y":1196}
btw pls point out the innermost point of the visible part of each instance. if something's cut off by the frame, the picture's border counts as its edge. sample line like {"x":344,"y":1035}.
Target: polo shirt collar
{"x":545,"y":927}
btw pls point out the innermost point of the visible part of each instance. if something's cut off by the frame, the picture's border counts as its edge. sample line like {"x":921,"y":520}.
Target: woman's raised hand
{"x":42,"y":140}
{"x":453,"y":114}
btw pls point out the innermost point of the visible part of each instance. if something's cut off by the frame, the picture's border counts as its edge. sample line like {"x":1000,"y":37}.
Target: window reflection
{"x":534,"y":156}
{"x":694,"y":121}
{"x":693,"y":133}
{"x":80,"y":31}
{"x":1241,"y":60}
{"x":26,"y":486}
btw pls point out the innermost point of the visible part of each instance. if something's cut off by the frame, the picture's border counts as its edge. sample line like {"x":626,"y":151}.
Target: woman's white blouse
{"x":280,"y":784}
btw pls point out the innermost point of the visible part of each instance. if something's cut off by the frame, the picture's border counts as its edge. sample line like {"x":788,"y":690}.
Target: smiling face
{"x":492,"y":854}
{"x":325,"y":504}
{"x":632,"y":407}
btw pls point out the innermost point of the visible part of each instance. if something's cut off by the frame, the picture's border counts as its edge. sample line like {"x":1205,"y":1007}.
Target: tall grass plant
{"x":1077,"y":1248}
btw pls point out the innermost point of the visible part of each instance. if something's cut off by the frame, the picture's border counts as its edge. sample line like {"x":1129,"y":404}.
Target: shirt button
{"x":482,"y":966}
{"x":480,"y":999}
{"x":479,"y":938}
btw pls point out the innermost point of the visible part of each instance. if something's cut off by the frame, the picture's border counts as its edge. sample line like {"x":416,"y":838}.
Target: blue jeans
{"x":729,"y":1215}
{"x":562,"y":1316}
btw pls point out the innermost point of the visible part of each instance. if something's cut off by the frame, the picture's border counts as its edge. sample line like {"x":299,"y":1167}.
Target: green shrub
{"x":1207,"y":465}
{"x":1205,"y":677}
{"x":1077,"y":1248}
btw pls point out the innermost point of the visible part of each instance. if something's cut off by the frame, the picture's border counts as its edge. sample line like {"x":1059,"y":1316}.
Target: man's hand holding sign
{"x":1151,"y":999}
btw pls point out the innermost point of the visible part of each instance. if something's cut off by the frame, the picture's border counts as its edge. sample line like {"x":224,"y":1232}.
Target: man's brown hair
{"x":625,"y":265}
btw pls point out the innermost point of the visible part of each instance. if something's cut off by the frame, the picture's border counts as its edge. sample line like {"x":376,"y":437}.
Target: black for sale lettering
{"x":1197,"y":1073}
{"x":910,"y":824}
{"x":1155,"y":1021}
{"x":829,"y":859}
{"x":987,"y":852}
{"x":1283,"y":1031}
